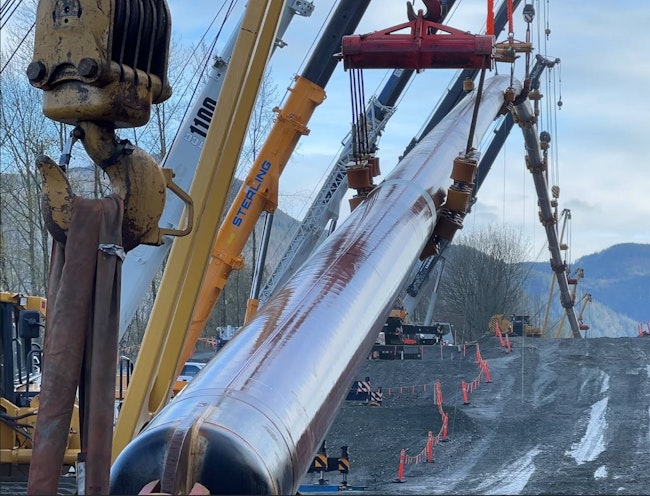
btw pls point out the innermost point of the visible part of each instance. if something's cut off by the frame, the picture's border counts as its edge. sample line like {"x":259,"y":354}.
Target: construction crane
{"x":536,"y":162}
{"x":159,"y":359}
{"x":143,"y":263}
{"x":273,"y":394}
{"x":287,"y":426}
{"x":252,"y":419}
{"x":327,"y":203}
{"x":101,"y":65}
{"x":163,"y":353}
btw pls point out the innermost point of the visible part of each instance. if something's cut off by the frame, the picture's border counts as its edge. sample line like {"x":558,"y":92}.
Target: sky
{"x":597,"y":135}
{"x":597,"y":151}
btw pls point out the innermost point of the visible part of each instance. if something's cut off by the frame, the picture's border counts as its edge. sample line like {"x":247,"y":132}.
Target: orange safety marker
{"x":463,"y":386}
{"x":497,"y":331}
{"x":430,"y":447}
{"x":445,"y":423}
{"x":487,"y":372}
{"x":400,"y":470}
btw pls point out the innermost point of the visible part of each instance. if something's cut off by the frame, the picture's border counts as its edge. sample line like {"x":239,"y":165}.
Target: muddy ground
{"x":558,"y":417}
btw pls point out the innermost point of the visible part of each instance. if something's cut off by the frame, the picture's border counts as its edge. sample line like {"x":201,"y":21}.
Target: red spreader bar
{"x":418,"y":44}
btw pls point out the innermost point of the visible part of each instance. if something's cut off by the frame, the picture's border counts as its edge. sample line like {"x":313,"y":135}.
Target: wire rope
{"x":204,"y":62}
{"x":8,"y":5}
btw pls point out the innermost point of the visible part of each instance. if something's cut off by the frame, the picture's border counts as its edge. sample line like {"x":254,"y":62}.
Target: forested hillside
{"x":618,"y":280}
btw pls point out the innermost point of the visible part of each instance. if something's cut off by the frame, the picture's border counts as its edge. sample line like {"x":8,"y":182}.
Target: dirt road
{"x":558,"y":417}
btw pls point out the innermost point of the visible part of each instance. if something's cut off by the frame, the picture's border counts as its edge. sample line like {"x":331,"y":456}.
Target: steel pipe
{"x":251,"y":421}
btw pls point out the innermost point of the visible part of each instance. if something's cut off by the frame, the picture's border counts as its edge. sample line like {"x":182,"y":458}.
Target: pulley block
{"x":101,"y":60}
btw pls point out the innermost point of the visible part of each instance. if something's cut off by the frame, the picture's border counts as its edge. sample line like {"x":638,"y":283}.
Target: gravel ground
{"x":558,"y":417}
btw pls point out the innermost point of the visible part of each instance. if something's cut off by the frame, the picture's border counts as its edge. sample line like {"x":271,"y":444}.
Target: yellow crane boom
{"x":159,"y":355}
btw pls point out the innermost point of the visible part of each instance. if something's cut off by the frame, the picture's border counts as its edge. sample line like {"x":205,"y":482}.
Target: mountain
{"x":618,"y":279}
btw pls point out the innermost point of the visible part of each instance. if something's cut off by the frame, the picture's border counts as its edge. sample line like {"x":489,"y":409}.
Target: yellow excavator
{"x":22,"y":320}
{"x":499,"y":319}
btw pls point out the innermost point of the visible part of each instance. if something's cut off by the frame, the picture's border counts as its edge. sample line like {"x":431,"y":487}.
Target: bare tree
{"x":26,"y":134}
{"x":484,"y":275}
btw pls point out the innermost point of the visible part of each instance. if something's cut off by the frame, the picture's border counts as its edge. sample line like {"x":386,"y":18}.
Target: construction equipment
{"x":259,"y":191}
{"x":326,"y":204}
{"x":259,"y":383}
{"x":101,"y":65}
{"x":499,"y":320}
{"x":426,"y":44}
{"x":521,"y":326}
{"x":21,"y":357}
{"x":431,"y":334}
{"x":586,"y":299}
{"x":159,"y":359}
{"x":245,"y":436}
{"x":537,"y":146}
{"x":143,"y":263}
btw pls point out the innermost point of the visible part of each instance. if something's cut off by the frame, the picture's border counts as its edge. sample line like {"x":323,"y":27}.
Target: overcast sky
{"x":598,"y":137}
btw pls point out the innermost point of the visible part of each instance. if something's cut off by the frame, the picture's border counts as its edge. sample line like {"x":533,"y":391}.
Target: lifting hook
{"x":135,"y":177}
{"x":433,"y":14}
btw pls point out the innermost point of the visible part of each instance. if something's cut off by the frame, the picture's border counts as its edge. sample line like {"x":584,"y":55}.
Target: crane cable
{"x":4,"y":17}
{"x":472,"y":127}
{"x":204,"y":65}
{"x":360,"y":146}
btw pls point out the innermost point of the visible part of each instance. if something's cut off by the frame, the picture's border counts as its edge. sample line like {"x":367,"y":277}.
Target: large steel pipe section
{"x":251,"y":421}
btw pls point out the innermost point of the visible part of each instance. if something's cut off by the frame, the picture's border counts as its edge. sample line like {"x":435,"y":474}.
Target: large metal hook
{"x":134,"y":176}
{"x":433,"y":14}
{"x":138,"y":179}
